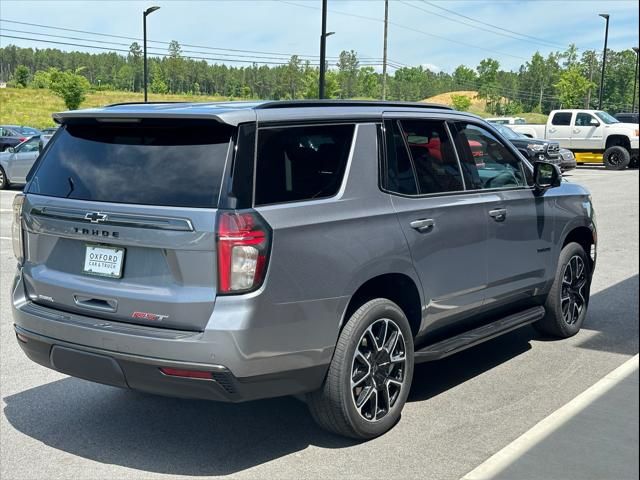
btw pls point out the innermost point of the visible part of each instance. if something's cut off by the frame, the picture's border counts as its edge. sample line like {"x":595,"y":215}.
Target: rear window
{"x":151,"y":164}
{"x":28,"y":131}
{"x":301,"y":163}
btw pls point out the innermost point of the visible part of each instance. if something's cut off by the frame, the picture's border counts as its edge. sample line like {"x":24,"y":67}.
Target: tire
{"x":4,"y":182}
{"x":381,"y":372}
{"x":567,"y":303}
{"x":616,"y":158}
{"x":633,"y":163}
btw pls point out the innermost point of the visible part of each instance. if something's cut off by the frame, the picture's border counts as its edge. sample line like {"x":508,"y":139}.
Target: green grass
{"x":33,"y":107}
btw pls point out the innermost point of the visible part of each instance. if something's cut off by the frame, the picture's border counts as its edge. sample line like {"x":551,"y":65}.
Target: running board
{"x":468,"y":339}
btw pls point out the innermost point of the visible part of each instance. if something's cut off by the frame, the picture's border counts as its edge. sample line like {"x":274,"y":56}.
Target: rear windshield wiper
{"x":71,"y":186}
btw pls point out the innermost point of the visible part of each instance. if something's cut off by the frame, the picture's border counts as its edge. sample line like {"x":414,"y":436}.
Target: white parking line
{"x":505,"y":457}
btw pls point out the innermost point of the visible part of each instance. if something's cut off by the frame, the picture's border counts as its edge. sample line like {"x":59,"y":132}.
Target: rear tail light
{"x":22,"y":139}
{"x":243,"y":251}
{"x":16,"y":228}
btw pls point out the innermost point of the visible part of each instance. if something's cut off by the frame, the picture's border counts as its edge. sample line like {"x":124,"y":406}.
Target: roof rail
{"x":346,"y":103}
{"x":140,"y":103}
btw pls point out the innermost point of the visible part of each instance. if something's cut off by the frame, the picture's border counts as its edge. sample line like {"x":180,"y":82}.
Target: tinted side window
{"x":301,"y":163}
{"x":433,"y":157}
{"x":561,"y":119}
{"x":486,"y":162}
{"x":400,"y":173}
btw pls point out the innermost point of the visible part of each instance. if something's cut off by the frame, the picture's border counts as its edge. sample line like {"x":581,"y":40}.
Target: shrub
{"x":41,"y":79}
{"x":158,"y":86}
{"x":70,"y":86}
{"x":21,"y":75}
{"x":461,"y":102}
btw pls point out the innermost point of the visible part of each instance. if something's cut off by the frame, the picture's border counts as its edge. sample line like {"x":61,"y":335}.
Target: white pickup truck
{"x":589,"y":131}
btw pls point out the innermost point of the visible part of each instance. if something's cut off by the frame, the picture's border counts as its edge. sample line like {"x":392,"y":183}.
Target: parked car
{"x":15,"y":162}
{"x":567,"y":160}
{"x":532,"y":148}
{"x":49,"y":130}
{"x":507,"y":120}
{"x":627,"y":117}
{"x":236,"y":251}
{"x":589,"y":131}
{"x":12,"y":135}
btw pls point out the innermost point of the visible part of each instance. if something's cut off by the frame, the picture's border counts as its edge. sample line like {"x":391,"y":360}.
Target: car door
{"x":520,"y":224}
{"x":559,"y":128}
{"x":442,"y":223}
{"x":23,"y":159}
{"x":587,"y":132}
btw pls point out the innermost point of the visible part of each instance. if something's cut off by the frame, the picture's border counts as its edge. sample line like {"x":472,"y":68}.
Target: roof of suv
{"x":233,"y":113}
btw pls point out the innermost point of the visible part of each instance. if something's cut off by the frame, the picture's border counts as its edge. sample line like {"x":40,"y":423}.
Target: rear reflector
{"x":176,"y":372}
{"x":22,"y":338}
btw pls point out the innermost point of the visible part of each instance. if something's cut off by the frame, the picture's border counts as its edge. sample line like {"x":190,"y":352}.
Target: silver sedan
{"x":15,"y":162}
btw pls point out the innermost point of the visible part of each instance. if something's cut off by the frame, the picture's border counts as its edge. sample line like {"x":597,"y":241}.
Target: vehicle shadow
{"x":163,"y":435}
{"x":199,"y":438}
{"x":433,"y":378}
{"x":613,"y":314}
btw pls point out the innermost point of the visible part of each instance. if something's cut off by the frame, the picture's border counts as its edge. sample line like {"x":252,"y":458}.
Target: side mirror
{"x":546,"y":175}
{"x":594,"y":123}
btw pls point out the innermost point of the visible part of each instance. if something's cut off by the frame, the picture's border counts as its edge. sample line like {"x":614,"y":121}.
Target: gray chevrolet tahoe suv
{"x":237,"y":251}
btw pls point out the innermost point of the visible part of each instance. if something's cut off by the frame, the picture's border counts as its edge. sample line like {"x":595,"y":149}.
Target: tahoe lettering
{"x":96,"y":232}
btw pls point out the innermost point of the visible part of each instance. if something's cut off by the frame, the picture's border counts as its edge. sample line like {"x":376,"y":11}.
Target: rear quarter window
{"x":561,"y":119}
{"x":299,"y":163}
{"x":160,"y":163}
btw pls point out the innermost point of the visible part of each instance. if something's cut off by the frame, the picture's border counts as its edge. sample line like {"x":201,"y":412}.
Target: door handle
{"x":576,"y":130}
{"x":98,"y":304}
{"x":552,"y":130}
{"x":422,"y":225}
{"x":499,"y":214}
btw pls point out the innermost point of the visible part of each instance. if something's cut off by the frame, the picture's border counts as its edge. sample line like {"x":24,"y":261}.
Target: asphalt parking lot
{"x":461,"y":410}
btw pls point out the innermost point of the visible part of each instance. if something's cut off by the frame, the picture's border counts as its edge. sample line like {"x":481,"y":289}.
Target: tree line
{"x":566,"y":79}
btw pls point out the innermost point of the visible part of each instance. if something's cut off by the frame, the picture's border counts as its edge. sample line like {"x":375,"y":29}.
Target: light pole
{"x":604,"y":57}
{"x":635,"y":80}
{"x":144,"y":35}
{"x":323,"y":49}
{"x":384,"y":50}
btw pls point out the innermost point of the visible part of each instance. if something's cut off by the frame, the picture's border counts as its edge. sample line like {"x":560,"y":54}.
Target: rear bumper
{"x":144,"y":374}
{"x":246,"y":361}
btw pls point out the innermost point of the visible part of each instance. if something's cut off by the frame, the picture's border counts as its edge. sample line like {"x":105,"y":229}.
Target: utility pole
{"x":635,"y":80}
{"x":591,"y":57}
{"x":323,"y":49}
{"x":384,"y":50}
{"x":604,"y":57}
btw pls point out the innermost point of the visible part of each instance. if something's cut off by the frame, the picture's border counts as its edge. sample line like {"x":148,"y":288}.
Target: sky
{"x":421,"y":32}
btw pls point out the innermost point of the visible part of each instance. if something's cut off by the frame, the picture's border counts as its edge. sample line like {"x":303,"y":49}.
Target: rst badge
{"x":148,"y":316}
